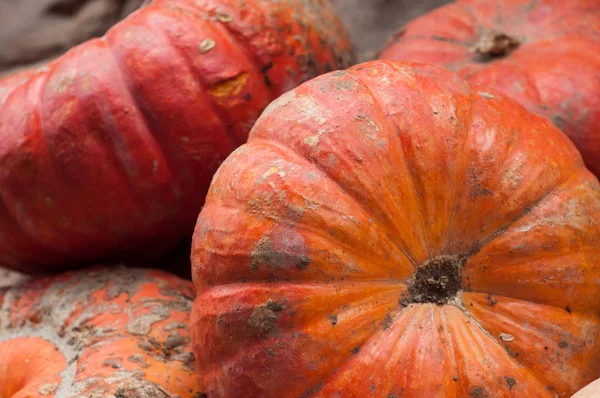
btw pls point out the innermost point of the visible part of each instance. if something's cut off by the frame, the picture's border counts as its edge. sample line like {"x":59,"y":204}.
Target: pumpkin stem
{"x":494,"y":44}
{"x":437,"y":281}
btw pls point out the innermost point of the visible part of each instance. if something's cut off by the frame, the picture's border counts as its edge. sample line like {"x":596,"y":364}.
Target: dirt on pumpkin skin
{"x":265,"y":253}
{"x":264,"y":316}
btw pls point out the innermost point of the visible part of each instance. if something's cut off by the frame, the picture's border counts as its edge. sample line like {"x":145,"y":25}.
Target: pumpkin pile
{"x":414,"y":226}
{"x":107,"y":153}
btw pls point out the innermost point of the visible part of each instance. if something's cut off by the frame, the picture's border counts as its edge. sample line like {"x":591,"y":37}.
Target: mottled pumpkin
{"x":107,"y":152}
{"x":543,"y":53}
{"x":105,"y":332}
{"x":392,"y":230}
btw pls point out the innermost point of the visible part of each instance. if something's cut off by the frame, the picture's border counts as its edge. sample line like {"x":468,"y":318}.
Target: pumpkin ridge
{"x":10,"y":211}
{"x":245,"y":41}
{"x":517,"y":337}
{"x":111,"y":147}
{"x":240,"y":39}
{"x":461,"y":168}
{"x":341,"y":187}
{"x":393,"y":315}
{"x":203,"y":86}
{"x":270,"y":341}
{"x":551,"y":191}
{"x":472,"y":318}
{"x":519,"y":267}
{"x":162,"y":146}
{"x":532,"y":262}
{"x":452,"y":355}
{"x":269,"y":259}
{"x":414,"y":350}
{"x":338,"y":371}
{"x":459,"y":179}
{"x":389,"y":294}
{"x":487,"y":335}
{"x":379,"y":106}
{"x":223,"y":30}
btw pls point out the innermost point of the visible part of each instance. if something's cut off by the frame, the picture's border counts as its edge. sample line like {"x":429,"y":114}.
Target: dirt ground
{"x":32,"y":31}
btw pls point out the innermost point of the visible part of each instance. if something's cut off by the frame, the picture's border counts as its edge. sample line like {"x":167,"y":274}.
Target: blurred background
{"x":34,"y":31}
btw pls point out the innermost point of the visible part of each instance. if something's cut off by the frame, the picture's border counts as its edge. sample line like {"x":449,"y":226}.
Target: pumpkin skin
{"x":107,"y":153}
{"x":103,"y":332}
{"x":392,"y":230}
{"x":545,"y":54}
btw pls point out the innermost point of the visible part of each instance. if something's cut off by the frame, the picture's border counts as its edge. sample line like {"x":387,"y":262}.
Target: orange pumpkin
{"x":543,"y":53}
{"x":107,"y":152}
{"x":392,"y":230}
{"x":106,"y":332}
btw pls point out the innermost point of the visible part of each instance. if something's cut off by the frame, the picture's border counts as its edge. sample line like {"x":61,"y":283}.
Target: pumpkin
{"x":392,"y":230}
{"x":545,"y":54}
{"x":107,"y":152}
{"x":108,"y":331}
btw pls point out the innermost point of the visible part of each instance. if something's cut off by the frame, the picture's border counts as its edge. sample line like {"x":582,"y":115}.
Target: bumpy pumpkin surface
{"x":108,"y":332}
{"x":108,"y":151}
{"x":393,"y":231}
{"x":543,"y":53}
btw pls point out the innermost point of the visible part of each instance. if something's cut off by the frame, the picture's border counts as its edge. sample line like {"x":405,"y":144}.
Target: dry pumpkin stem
{"x":104,"y":332}
{"x":493,"y":44}
{"x":393,"y":231}
{"x":437,"y":281}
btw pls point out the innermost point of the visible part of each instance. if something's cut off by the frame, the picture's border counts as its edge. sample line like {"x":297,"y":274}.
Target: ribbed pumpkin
{"x":393,"y":231}
{"x":104,"y":332}
{"x":543,"y":53}
{"x":108,"y":151}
